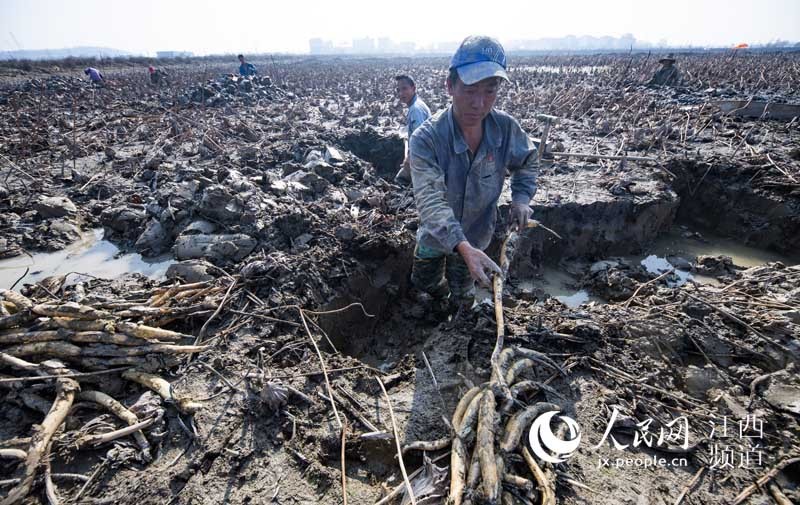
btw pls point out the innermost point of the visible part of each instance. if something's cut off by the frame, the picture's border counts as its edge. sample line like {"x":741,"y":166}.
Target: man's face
{"x":474,"y":102}
{"x":241,"y":60}
{"x":405,"y":91}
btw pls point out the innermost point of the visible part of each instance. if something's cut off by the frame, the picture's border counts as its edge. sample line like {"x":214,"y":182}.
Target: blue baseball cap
{"x":478,"y":58}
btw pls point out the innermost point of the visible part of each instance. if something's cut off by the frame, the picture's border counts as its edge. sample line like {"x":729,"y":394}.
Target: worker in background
{"x":158,"y":77}
{"x":459,"y":160}
{"x":668,"y":74}
{"x":418,"y":112}
{"x":95,"y":76}
{"x":246,"y":69}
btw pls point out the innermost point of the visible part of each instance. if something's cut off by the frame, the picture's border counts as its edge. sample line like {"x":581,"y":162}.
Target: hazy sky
{"x":225,"y":26}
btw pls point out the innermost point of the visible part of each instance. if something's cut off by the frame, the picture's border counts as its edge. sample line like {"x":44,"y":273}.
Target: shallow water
{"x":656,"y":260}
{"x":91,"y":255}
{"x":561,"y":286}
{"x":674,"y":243}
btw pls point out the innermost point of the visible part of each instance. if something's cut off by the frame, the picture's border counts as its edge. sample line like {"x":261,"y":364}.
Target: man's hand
{"x":478,"y":263}
{"x":518,"y":216}
{"x":403,"y":176}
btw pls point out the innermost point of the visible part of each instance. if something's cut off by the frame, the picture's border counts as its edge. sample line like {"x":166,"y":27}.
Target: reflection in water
{"x":560,"y":286}
{"x":91,"y":255}
{"x":658,"y":265}
{"x":575,"y":300}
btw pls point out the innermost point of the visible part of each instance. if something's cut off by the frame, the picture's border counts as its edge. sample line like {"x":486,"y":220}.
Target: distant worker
{"x":158,"y":77}
{"x":246,"y":69}
{"x":668,"y":74}
{"x":95,"y":76}
{"x":418,"y":112}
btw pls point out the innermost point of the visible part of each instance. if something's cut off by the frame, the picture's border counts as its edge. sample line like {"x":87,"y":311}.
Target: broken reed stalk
{"x":777,"y":494}
{"x":322,"y":364}
{"x":735,"y":319}
{"x":603,"y":156}
{"x":65,"y":376}
{"x":409,"y":489}
{"x":204,"y":329}
{"x":397,"y":489}
{"x":49,"y":487}
{"x":690,"y":485}
{"x":436,"y":385}
{"x":42,"y":437}
{"x":771,"y":473}
{"x":102,"y":438}
{"x":121,"y":412}
{"x":163,"y":389}
{"x":627,"y":302}
{"x":344,"y":474}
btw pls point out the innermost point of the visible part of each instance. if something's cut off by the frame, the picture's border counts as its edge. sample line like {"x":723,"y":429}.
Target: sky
{"x":232,"y":26}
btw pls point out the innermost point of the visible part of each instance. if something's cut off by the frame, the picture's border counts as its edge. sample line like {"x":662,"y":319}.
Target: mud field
{"x":205,"y":291}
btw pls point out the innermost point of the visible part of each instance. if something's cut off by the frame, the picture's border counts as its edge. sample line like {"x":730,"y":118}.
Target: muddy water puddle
{"x":675,"y":249}
{"x":688,"y":244}
{"x":561,"y":286}
{"x":91,"y":255}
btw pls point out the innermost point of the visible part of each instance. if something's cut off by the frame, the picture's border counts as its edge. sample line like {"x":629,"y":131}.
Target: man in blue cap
{"x":459,"y":159}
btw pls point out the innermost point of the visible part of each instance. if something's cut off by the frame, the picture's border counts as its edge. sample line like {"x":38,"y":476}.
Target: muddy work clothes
{"x":94,"y":74}
{"x":440,"y":274}
{"x":667,"y":76}
{"x":158,"y":76}
{"x":456,"y":196}
{"x":418,"y":112}
{"x":247,"y":70}
{"x":456,"y":193}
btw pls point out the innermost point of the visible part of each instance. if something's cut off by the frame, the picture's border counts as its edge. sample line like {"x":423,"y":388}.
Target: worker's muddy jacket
{"x":418,"y":112}
{"x":456,"y":198}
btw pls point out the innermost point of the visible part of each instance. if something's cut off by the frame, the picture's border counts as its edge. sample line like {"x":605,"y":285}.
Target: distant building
{"x":173,"y":54}
{"x":367,"y":45}
{"x":319,"y":46}
{"x":364,"y":46}
{"x":385,"y":45}
{"x":405,"y":47}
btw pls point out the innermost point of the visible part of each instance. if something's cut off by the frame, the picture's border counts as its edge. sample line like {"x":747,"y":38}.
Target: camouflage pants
{"x":440,"y":274}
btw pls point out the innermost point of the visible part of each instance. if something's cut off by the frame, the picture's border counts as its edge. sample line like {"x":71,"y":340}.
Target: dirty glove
{"x":478,"y":263}
{"x":518,"y":216}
